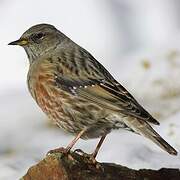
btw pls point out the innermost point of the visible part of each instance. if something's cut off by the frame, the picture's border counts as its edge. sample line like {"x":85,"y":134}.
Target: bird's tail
{"x":143,"y":128}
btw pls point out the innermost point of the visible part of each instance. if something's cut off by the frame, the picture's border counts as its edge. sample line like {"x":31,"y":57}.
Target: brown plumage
{"x":78,"y":93}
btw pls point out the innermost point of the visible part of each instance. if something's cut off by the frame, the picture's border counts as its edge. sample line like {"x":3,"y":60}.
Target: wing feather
{"x":98,"y":85}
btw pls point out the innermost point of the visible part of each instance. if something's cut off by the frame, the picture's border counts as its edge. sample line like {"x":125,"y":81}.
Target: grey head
{"x":38,"y":39}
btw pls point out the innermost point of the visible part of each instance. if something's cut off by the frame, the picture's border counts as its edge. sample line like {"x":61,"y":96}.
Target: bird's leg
{"x":92,"y":156}
{"x":70,"y":145}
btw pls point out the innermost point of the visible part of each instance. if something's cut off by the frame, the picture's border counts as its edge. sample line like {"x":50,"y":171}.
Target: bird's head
{"x":39,"y":39}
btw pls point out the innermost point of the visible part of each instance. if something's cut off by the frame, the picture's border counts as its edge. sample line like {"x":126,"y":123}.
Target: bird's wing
{"x":92,"y":81}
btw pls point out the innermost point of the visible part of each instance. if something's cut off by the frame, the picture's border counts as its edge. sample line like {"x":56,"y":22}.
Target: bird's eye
{"x":39,"y":35}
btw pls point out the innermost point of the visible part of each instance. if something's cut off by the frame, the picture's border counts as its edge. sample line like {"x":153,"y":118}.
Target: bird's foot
{"x":58,"y":150}
{"x":90,"y":159}
{"x":86,"y":155}
{"x":61,"y":150}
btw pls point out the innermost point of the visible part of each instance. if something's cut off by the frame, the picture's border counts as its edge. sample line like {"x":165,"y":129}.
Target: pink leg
{"x":94,"y":154}
{"x":73,"y":142}
{"x":91,"y":157}
{"x":70,"y":145}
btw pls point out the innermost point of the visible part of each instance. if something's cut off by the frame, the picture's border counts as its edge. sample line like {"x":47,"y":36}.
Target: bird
{"x":78,"y":93}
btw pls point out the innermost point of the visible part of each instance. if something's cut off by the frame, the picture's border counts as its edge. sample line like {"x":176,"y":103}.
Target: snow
{"x":151,"y":74}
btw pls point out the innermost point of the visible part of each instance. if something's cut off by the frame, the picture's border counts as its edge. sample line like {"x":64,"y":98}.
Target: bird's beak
{"x":20,"y":42}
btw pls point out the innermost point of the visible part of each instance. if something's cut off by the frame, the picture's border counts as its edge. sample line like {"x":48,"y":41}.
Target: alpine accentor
{"x":78,"y":93}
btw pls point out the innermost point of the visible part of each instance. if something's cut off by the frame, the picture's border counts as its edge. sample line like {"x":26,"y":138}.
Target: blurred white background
{"x":138,"y":41}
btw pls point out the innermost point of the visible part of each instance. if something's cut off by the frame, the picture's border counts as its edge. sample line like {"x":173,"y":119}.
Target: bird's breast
{"x":50,"y":98}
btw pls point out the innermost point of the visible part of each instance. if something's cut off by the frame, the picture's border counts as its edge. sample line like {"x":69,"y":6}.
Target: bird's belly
{"x":73,"y":113}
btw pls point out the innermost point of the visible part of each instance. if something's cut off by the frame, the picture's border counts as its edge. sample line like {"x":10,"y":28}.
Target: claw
{"x":79,"y":151}
{"x":58,"y":150}
{"x":62,"y":150}
{"x":82,"y":153}
{"x":90,"y":158}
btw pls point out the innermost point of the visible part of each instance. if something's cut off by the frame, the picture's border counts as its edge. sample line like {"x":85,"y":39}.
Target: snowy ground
{"x":26,"y":134}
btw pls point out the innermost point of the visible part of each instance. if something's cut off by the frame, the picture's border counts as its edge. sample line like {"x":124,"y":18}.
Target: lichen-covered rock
{"x":58,"y":166}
